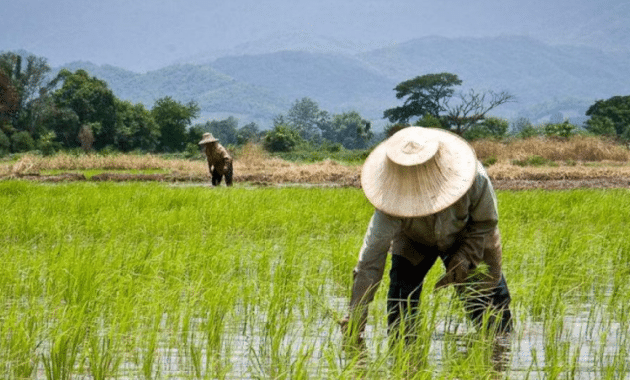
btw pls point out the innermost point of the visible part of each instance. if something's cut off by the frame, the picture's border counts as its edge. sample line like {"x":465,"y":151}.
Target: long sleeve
{"x":483,"y":219}
{"x":372,"y":258}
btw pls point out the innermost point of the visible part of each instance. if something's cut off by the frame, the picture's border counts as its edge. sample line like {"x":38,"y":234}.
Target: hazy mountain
{"x":295,"y":41}
{"x":545,"y":79}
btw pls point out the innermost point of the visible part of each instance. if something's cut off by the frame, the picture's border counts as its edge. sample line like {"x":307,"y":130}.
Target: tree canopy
{"x":425,"y":94}
{"x":433,"y":95}
{"x":610,"y":116}
{"x":173,"y":118}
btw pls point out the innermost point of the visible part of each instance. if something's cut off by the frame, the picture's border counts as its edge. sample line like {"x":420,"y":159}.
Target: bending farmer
{"x":433,"y":200}
{"x":219,"y":160}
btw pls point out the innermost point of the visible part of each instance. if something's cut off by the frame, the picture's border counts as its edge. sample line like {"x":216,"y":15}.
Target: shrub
{"x":282,"y":138}
{"x":563,"y":130}
{"x":47,"y":144}
{"x":490,"y":161}
{"x":492,"y":127}
{"x":22,"y":142}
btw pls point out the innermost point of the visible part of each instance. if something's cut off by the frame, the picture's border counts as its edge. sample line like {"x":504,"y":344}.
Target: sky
{"x":144,"y":35}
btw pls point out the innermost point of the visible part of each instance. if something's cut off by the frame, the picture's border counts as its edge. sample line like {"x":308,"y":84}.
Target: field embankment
{"x":516,"y":164}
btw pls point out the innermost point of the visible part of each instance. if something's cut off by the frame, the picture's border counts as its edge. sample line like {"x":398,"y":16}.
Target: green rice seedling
{"x":63,"y":357}
{"x":149,"y":280}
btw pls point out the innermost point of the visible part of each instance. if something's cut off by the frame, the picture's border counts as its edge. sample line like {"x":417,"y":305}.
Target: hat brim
{"x":207,"y":141}
{"x":424,"y":189}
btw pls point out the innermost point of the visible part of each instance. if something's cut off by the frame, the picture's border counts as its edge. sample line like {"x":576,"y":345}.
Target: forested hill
{"x":545,"y":79}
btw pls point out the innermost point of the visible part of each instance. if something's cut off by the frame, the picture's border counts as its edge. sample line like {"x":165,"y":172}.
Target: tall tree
{"x":91,"y":100}
{"x":27,"y":82}
{"x":247,"y":133}
{"x":135,"y":127}
{"x":424,"y":94}
{"x":472,"y":109}
{"x":613,"y":112}
{"x":432,"y":95}
{"x":306,"y":117}
{"x":349,"y":129}
{"x":173,"y":118}
{"x":225,"y":130}
{"x":10,"y":99}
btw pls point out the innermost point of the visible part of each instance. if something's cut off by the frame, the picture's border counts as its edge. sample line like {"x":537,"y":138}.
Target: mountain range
{"x":259,"y":81}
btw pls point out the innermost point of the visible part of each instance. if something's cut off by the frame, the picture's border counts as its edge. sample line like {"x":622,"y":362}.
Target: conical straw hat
{"x":207,"y":138}
{"x":418,"y":171}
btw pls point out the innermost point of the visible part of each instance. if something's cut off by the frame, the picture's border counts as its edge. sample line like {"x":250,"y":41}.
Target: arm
{"x":370,"y":266}
{"x":479,"y":231}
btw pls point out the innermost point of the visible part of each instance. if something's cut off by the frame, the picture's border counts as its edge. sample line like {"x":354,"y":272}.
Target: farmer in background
{"x":433,"y":200}
{"x":219,"y":160}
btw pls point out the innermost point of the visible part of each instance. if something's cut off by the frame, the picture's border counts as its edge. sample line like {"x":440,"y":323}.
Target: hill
{"x":545,"y":79}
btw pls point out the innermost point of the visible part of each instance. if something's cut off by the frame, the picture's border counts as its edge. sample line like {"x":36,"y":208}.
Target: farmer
{"x":219,"y":160}
{"x":433,"y":200}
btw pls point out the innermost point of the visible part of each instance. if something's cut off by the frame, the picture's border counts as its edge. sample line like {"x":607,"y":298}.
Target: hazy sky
{"x":148,"y":34}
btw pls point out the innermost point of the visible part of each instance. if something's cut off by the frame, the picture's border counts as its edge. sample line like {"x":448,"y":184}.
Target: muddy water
{"x":583,"y":346}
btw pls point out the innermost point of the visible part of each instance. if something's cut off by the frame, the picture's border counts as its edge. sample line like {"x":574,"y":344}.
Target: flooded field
{"x":151,"y":281}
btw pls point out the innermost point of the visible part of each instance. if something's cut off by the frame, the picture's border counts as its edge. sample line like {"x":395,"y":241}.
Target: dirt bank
{"x":333,"y":179}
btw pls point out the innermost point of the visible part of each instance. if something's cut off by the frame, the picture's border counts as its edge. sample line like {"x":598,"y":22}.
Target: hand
{"x":456,"y":271}
{"x":352,"y":339}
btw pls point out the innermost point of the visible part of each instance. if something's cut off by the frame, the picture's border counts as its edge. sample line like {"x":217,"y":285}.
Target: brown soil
{"x":332,"y":180}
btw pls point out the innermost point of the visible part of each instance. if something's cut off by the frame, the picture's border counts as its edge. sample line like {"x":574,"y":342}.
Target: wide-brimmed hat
{"x":418,"y":171}
{"x":207,"y":138}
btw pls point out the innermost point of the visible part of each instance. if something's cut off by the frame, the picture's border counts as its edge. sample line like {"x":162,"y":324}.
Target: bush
{"x":47,"y":144}
{"x":192,"y":151}
{"x":528,"y":131}
{"x":564,"y":130}
{"x":22,"y":142}
{"x":490,"y":128}
{"x":282,"y":138}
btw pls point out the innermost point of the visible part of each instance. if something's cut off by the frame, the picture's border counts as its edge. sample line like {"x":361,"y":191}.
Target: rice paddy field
{"x":103,"y":280}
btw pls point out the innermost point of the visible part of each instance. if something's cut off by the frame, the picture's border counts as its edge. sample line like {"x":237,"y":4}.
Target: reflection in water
{"x":501,"y":352}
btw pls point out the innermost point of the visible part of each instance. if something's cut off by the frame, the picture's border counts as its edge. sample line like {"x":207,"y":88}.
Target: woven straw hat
{"x":418,"y":171}
{"x":207,"y":138}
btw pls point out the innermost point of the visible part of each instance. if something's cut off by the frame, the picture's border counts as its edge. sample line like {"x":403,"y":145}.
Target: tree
{"x":86,"y":137}
{"x":22,"y":142}
{"x":10,"y":99}
{"x":349,"y":129}
{"x":26,"y":83}
{"x":282,"y":138}
{"x":173,"y":118}
{"x":432,"y":94}
{"x":425,"y":94}
{"x":135,"y":127}
{"x":224,"y":130}
{"x":615,"y":110}
{"x":306,"y":117}
{"x":5,"y":144}
{"x":247,"y":133}
{"x":472,"y":108}
{"x":490,"y":128}
{"x":91,"y":100}
{"x":64,"y":122}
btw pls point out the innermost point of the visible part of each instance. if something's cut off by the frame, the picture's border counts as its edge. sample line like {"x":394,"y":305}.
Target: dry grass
{"x":578,"y":148}
{"x":576,"y":159}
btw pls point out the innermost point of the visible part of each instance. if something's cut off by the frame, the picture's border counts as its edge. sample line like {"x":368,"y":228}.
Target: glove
{"x":352,"y":339}
{"x":457,"y":271}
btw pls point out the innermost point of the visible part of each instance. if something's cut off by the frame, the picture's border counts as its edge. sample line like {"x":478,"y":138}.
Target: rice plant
{"x":153,"y":281}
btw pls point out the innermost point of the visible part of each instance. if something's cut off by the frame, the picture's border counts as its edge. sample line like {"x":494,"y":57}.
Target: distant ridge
{"x":545,"y":79}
